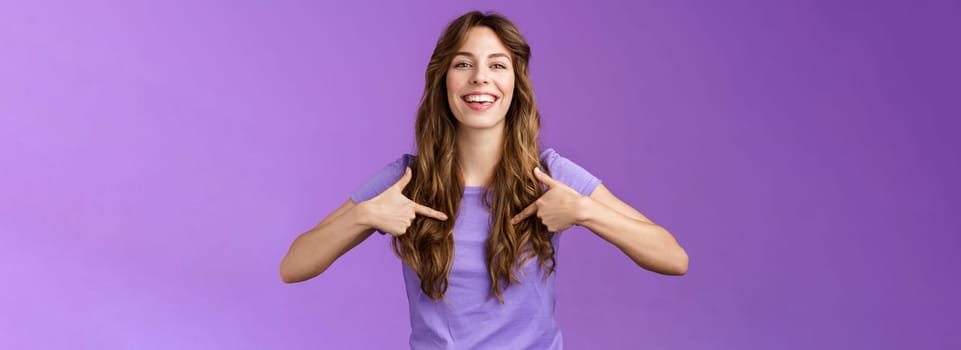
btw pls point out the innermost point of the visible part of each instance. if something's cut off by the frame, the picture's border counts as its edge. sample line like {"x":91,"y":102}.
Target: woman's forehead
{"x":482,"y":42}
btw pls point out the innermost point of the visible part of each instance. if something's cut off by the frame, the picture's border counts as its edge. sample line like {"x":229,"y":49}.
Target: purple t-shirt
{"x":471,"y":318}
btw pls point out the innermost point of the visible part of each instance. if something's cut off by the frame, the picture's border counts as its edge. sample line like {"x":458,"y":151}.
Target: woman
{"x":475,"y":215}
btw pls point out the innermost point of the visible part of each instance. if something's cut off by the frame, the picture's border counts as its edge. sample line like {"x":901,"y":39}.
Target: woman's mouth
{"x":479,"y":102}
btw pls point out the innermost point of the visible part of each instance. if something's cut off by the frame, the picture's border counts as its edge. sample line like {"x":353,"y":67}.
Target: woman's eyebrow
{"x":470,"y":55}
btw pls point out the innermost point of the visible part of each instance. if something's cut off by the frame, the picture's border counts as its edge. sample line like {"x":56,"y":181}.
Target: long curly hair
{"x":428,"y":246}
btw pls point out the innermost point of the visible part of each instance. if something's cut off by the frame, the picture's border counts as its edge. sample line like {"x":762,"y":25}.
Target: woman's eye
{"x":462,"y":65}
{"x":499,"y":66}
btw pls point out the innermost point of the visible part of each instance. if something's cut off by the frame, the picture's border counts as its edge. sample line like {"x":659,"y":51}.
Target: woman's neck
{"x":479,"y":152}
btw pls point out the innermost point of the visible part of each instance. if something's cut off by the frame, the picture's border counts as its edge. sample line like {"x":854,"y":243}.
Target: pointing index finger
{"x":531,"y":209}
{"x":426,"y":211}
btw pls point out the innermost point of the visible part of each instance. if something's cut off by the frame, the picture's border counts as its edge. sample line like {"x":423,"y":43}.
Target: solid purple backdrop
{"x":157,"y":159}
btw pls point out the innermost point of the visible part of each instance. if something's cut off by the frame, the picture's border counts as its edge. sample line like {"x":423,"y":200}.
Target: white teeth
{"x":479,"y":98}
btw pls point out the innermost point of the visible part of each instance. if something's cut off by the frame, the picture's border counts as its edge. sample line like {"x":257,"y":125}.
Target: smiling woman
{"x":481,"y":80}
{"x":475,"y":216}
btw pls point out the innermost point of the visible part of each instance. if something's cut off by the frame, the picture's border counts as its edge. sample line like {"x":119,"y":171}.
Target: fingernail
{"x":537,"y":169}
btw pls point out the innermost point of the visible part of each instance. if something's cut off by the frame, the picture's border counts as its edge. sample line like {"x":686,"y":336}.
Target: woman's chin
{"x":481,"y":119}
{"x":481,"y":122}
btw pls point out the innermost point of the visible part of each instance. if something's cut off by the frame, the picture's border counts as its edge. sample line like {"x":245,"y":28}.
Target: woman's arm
{"x":390,"y":212}
{"x":649,"y":245}
{"x":315,"y":250}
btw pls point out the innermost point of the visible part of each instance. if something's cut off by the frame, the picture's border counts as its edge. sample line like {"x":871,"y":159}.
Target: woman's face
{"x":480,"y":80}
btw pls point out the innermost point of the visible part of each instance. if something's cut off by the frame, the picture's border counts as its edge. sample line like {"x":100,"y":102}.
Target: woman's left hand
{"x":559,"y":208}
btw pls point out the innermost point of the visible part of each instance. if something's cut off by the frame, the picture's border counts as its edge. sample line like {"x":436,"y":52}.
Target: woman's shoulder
{"x":568,"y":172}
{"x":549,"y":155}
{"x":394,"y":170}
{"x":383,"y":178}
{"x":404,"y":160}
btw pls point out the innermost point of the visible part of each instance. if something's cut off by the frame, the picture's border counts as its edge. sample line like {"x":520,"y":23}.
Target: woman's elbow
{"x":292,"y":275}
{"x":673,"y":265}
{"x":286,"y":275}
{"x":289,"y":274}
{"x":680,"y":264}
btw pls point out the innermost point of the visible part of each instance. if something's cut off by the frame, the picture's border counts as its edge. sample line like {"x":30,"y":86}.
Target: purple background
{"x":157,"y":159}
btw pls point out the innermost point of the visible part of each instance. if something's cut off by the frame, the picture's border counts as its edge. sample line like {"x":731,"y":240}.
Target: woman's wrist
{"x":585,"y":209}
{"x":362,"y":214}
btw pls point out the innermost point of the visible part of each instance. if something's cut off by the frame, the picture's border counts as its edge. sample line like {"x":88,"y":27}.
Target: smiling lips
{"x":479,"y":101}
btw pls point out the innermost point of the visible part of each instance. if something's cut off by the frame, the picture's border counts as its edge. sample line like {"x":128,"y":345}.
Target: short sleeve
{"x":380,"y":181}
{"x":569,"y":173}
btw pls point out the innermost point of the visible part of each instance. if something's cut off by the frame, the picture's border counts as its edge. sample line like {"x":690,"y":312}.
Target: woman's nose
{"x":479,"y":78}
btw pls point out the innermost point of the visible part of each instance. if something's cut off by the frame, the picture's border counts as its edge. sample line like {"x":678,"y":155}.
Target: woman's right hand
{"x":391,"y":212}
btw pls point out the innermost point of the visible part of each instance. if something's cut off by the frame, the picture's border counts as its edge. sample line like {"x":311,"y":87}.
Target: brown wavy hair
{"x":428,"y":246}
